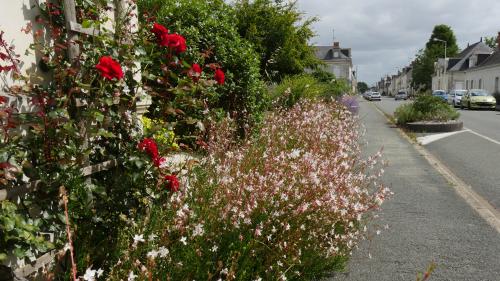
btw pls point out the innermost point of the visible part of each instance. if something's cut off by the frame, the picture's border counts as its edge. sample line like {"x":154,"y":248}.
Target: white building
{"x":338,"y":62}
{"x":450,"y":73}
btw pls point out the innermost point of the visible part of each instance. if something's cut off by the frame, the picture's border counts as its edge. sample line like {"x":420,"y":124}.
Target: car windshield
{"x":439,"y":93}
{"x":375,"y":93}
{"x":461,"y":93}
{"x":479,"y":94}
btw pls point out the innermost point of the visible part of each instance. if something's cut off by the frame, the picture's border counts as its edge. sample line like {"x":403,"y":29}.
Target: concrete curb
{"x":436,"y":127}
{"x":484,"y":209}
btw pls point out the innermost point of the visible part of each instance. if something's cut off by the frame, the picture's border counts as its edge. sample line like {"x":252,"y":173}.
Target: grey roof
{"x":326,"y":53}
{"x":494,"y":59}
{"x":477,"y":48}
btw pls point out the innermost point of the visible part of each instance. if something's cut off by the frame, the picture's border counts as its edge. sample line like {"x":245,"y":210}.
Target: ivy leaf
{"x":19,"y":253}
{"x":86,"y":23}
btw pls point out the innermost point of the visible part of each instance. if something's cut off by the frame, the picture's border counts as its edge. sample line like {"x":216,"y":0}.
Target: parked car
{"x":401,"y":95}
{"x":367,"y":95}
{"x":478,"y":98}
{"x":375,"y":96}
{"x":455,"y":96}
{"x":441,"y":94}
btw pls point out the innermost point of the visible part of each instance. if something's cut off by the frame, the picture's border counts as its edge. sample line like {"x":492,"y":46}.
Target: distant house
{"x":338,"y":62}
{"x":486,"y":74}
{"x":454,"y":77}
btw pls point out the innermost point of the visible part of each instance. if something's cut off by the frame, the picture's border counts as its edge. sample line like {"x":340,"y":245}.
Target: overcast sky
{"x":386,"y":34}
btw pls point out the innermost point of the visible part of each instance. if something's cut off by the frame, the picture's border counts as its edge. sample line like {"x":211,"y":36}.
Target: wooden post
{"x":70,"y":15}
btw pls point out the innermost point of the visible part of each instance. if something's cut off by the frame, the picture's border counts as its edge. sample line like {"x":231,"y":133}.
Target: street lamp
{"x":445,"y":64}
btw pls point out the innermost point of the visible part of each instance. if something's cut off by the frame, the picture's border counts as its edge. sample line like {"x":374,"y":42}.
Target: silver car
{"x":455,"y":96}
{"x":375,"y":96}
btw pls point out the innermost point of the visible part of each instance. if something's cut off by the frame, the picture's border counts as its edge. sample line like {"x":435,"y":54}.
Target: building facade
{"x":450,"y":73}
{"x":338,"y":61}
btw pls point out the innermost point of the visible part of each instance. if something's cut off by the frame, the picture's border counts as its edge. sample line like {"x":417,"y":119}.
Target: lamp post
{"x":445,"y":64}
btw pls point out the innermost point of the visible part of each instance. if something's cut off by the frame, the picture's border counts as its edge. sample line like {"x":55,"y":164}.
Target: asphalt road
{"x":473,"y":156}
{"x":428,"y":222}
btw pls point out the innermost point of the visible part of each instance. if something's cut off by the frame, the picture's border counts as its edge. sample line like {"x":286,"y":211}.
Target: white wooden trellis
{"x":74,"y":29}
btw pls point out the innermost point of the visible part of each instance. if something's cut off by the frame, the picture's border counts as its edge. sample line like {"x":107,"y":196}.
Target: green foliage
{"x":362,"y":87}
{"x":19,"y":235}
{"x":491,"y":42}
{"x":295,"y":88}
{"x":337,"y":87}
{"x":212,"y":39}
{"x":424,"y":61}
{"x":159,"y":131}
{"x":425,"y":108}
{"x":279,"y":34}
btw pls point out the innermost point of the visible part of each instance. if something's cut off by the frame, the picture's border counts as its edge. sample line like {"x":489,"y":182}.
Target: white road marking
{"x":483,"y":136}
{"x":432,"y":138}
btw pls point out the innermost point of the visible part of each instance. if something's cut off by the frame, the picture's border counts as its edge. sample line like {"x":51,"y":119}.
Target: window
{"x":335,"y":54}
{"x":480,"y":83}
{"x":472,"y":84}
{"x":496,"y":85}
{"x":467,"y":84}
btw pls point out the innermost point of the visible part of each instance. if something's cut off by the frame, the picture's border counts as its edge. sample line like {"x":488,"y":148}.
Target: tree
{"x":279,"y":34}
{"x":362,"y":87}
{"x":491,"y":42}
{"x":434,"y":49}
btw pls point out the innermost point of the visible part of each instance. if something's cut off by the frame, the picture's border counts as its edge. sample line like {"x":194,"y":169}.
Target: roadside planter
{"x":434,"y":126}
{"x":428,"y":114}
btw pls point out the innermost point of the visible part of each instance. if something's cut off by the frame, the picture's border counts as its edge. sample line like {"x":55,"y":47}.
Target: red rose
{"x":175,"y":42}
{"x":173,"y":182}
{"x":158,"y":161}
{"x":3,"y":99}
{"x":195,"y":72}
{"x":109,"y":68}
{"x":219,"y":76}
{"x":160,"y":32}
{"x":150,"y":147}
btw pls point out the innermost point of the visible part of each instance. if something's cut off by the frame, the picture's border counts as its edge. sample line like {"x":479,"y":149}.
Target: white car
{"x":455,"y":96}
{"x":375,"y":96}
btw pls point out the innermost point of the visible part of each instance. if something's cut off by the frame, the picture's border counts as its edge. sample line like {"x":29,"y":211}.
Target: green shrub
{"x":294,"y":88}
{"x":425,"y":108}
{"x":209,"y":29}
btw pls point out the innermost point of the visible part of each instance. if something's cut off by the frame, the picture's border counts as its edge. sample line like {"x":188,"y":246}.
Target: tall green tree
{"x":434,"y":49}
{"x":362,"y":87}
{"x":279,"y":34}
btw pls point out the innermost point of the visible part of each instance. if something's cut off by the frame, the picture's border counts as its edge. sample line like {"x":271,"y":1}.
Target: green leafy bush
{"x":425,"y":108}
{"x":209,"y":29}
{"x":295,"y":88}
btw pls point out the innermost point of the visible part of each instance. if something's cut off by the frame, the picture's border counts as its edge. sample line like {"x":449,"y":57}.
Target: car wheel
{"x":461,"y":105}
{"x":454,"y":104}
{"x":468,"y":106}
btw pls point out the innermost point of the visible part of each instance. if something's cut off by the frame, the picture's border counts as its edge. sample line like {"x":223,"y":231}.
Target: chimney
{"x":336,"y":44}
{"x":498,"y":41}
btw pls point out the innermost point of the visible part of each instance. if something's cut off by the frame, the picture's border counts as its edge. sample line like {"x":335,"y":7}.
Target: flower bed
{"x":425,"y":108}
{"x":289,"y":204}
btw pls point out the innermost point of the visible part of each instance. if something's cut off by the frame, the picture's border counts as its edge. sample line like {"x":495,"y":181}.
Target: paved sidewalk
{"x":428,"y":221}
